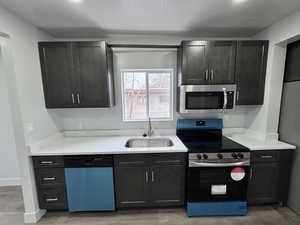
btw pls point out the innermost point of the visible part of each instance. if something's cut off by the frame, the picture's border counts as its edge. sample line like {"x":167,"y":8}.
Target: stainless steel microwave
{"x":201,"y":98}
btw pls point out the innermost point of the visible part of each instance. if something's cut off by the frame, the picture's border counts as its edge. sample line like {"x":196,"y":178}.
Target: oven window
{"x":204,"y":100}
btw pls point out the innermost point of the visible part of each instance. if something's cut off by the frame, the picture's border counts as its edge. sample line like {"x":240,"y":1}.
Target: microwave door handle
{"x":225,"y":99}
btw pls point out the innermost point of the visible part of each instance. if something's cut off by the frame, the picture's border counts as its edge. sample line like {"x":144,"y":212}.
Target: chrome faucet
{"x":150,"y":131}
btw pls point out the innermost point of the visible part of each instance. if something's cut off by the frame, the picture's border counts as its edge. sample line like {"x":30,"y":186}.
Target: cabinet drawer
{"x":48,"y":161}
{"x":130,"y":160}
{"x":265,"y":156}
{"x":53,"y":198}
{"x":168,"y":159}
{"x":50,"y":176}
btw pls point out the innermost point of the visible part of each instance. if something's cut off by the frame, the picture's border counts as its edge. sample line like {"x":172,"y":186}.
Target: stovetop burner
{"x":223,"y":144}
{"x":205,"y":136}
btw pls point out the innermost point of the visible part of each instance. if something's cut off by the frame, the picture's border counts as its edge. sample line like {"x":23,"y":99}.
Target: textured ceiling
{"x":92,"y":18}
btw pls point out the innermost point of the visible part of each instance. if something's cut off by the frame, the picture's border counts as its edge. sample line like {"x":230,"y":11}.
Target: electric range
{"x":218,"y":170}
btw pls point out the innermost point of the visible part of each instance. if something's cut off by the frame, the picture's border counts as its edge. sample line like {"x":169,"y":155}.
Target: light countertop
{"x":87,"y":145}
{"x":256,"y":144}
{"x":60,"y":145}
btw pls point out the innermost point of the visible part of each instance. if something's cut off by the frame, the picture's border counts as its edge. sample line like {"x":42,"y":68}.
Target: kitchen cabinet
{"x":50,"y":182}
{"x":292,"y":67}
{"x":222,"y":56}
{"x":207,"y":62}
{"x":167,"y":185}
{"x":193,"y":63}
{"x":132,"y":188}
{"x":56,"y":64}
{"x":269,"y":178}
{"x":77,"y":74}
{"x":251,"y":62}
{"x":149,"y":180}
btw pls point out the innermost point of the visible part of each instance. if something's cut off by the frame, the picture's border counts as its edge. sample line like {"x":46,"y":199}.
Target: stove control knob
{"x":234,"y":155}
{"x":199,"y":156}
{"x":205,"y":156}
{"x":220,"y":156}
{"x":240,"y":155}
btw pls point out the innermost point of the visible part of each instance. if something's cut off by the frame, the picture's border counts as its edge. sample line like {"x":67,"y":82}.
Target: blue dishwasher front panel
{"x":90,"y":189}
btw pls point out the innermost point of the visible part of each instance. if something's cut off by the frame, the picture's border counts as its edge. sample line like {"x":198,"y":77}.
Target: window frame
{"x":147,"y":71}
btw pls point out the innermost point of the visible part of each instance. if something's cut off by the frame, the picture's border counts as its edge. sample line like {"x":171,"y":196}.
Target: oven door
{"x":211,"y":184}
{"x":203,"y":98}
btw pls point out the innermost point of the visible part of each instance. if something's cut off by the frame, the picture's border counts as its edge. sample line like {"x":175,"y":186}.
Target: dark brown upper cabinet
{"x":193,"y":62}
{"x":222,"y":55}
{"x":292,"y":66}
{"x":251,"y":62}
{"x":77,"y":74}
{"x":206,"y":62}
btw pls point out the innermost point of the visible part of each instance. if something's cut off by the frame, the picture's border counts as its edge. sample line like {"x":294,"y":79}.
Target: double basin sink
{"x":148,"y":143}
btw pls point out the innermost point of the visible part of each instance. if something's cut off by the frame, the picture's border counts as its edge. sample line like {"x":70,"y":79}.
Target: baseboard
{"x":10,"y":181}
{"x":33,"y":217}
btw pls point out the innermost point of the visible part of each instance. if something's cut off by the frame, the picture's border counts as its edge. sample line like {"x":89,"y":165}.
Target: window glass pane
{"x":135,"y":95}
{"x":159,"y":95}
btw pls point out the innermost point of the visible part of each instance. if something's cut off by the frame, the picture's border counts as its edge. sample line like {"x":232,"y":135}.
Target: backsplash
{"x":100,"y":119}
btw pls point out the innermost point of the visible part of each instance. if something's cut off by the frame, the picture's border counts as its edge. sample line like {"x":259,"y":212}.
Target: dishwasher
{"x":90,"y":183}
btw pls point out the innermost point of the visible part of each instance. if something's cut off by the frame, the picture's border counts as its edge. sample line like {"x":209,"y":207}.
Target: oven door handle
{"x":225,"y":99}
{"x":208,"y":164}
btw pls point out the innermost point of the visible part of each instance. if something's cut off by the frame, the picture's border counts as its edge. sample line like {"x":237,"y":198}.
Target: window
{"x":147,"y":93}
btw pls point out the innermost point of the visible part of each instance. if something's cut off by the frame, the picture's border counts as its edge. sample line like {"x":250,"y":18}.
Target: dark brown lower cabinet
{"x":150,"y":180}
{"x":269,"y":178}
{"x":167,"y":185}
{"x":132,"y":188}
{"x":50,"y":182}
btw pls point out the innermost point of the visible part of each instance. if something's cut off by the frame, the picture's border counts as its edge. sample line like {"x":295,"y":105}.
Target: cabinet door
{"x":263,"y":186}
{"x":92,"y":74}
{"x":167,"y":185}
{"x":292,"y":66}
{"x":251,"y":72}
{"x":222,"y":62}
{"x":194,"y":63}
{"x":56,"y":65}
{"x":131,"y":186}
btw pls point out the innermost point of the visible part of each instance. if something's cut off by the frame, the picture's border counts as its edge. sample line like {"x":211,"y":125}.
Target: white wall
{"x":265,"y":120}
{"x":9,"y":172}
{"x":38,"y":122}
{"x":31,"y":121}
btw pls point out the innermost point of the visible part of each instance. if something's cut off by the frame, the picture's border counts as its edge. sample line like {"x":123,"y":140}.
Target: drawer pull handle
{"x":266,"y":157}
{"x":169,"y":161}
{"x":49,"y":178}
{"x":51,"y":199}
{"x":46,"y":162}
{"x":131,"y":163}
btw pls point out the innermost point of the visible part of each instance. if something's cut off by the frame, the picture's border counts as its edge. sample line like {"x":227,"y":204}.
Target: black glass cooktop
{"x":220,"y":144}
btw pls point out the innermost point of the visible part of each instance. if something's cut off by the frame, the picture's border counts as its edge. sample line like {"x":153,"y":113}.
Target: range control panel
{"x":220,"y":157}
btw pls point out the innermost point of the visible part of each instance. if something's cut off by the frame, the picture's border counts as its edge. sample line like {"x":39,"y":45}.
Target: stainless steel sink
{"x":149,"y":142}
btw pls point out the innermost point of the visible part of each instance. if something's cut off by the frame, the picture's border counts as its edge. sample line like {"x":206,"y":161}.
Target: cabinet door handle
{"x":266,"y":156}
{"x":51,"y":199}
{"x":147,"y":177}
{"x":251,"y":173}
{"x":237,"y":95}
{"x":49,"y":178}
{"x":212,"y":74}
{"x":206,"y":74}
{"x":78,"y":98}
{"x":152,"y":176}
{"x":73,"y":99}
{"x":46,"y":162}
